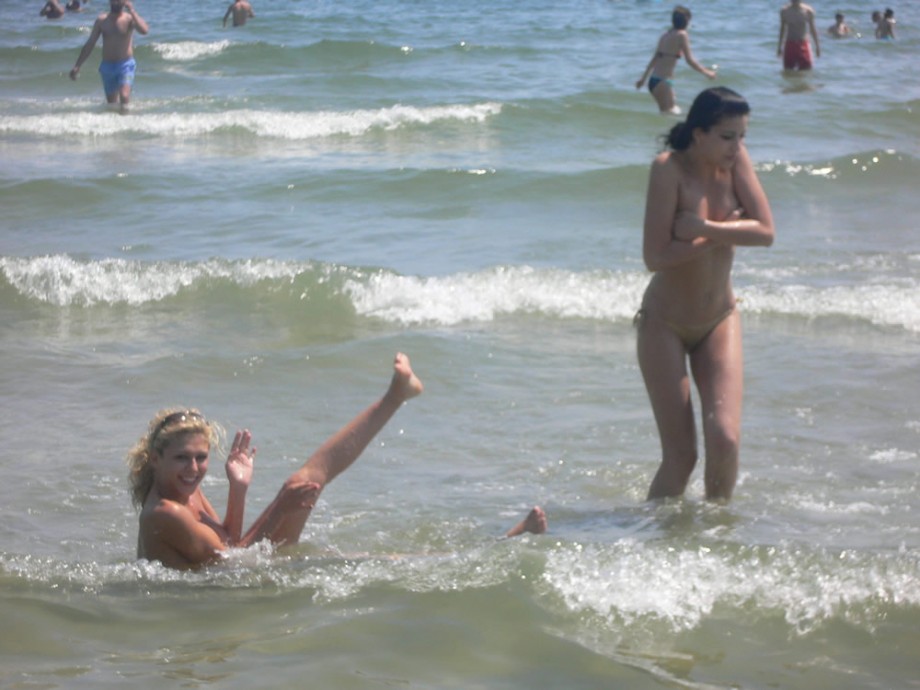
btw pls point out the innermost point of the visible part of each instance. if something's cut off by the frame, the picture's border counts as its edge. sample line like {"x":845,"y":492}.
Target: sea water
{"x":289,"y":203}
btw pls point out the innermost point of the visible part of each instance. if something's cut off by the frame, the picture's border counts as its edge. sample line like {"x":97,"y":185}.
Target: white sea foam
{"x":279,"y":125}
{"x":63,"y":281}
{"x":892,"y":455}
{"x":184,"y":51}
{"x":481,"y":296}
{"x":634,"y":582}
{"x":500,"y":291}
{"x":891,"y":304}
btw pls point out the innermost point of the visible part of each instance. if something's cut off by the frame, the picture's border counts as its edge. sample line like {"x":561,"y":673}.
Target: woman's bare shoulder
{"x":666,"y":165}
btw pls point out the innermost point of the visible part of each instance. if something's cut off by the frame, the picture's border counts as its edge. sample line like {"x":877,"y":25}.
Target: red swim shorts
{"x":797,"y":55}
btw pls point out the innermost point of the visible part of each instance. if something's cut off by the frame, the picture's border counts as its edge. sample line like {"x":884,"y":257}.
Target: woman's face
{"x":722,"y":143}
{"x":181,"y":465}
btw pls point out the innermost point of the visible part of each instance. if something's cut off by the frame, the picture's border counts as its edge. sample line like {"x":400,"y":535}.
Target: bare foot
{"x":535,"y":523}
{"x":405,"y":383}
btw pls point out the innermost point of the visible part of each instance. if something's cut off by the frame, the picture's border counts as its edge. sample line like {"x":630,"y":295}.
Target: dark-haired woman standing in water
{"x":704,"y":199}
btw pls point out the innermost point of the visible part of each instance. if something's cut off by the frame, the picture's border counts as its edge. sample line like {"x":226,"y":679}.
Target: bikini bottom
{"x":655,"y":81}
{"x":690,"y":336}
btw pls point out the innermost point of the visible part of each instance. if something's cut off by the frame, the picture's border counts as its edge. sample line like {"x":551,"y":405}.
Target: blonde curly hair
{"x":162,"y":429}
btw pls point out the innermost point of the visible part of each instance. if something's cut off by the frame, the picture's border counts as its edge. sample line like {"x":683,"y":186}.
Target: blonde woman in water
{"x":177,"y":524}
{"x":704,"y":200}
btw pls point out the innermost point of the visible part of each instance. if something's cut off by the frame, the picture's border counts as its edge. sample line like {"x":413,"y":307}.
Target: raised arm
{"x":660,"y":248}
{"x":138,"y":20}
{"x":239,"y":468}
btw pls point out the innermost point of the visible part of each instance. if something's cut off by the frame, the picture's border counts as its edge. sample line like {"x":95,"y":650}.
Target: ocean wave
{"x":63,"y":281}
{"x":679,"y":588}
{"x":375,"y":293}
{"x":267,"y":124}
{"x":467,"y":297}
{"x":853,"y":167}
{"x":892,"y":304}
{"x":658,"y":588}
{"x":504,"y":290}
{"x":183,"y":51}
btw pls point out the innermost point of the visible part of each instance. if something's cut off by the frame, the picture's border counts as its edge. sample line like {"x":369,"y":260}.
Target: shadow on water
{"x":798,"y":82}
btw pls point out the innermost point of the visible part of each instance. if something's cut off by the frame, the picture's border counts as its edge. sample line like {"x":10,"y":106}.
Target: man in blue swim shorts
{"x":118,"y":66}
{"x":115,"y":76}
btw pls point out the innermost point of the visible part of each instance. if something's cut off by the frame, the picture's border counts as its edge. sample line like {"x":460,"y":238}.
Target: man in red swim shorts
{"x":797,"y":55}
{"x":796,"y":21}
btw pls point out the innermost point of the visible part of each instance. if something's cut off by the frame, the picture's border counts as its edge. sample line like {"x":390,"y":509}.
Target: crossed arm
{"x":671,"y":237}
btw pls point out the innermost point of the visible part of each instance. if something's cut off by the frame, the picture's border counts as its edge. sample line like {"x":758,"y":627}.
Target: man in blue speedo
{"x":117,"y":68}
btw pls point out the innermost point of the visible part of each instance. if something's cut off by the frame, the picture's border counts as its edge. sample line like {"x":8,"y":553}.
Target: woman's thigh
{"x":718,"y":371}
{"x":662,"y":360}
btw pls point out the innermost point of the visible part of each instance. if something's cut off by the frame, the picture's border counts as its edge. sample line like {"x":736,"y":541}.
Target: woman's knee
{"x":723,"y":439}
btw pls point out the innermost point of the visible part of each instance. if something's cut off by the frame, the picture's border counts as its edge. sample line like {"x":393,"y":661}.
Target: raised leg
{"x":535,"y":522}
{"x":283,"y":520}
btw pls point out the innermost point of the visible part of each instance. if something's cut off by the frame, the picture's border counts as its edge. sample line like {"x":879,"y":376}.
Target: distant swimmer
{"x":886,"y":24}
{"x":241,"y":11}
{"x":877,"y":20}
{"x":74,"y":6}
{"x":178,"y":526}
{"x":118,"y":66}
{"x":672,"y":45}
{"x":52,"y":10}
{"x":796,"y":21}
{"x":839,"y":28}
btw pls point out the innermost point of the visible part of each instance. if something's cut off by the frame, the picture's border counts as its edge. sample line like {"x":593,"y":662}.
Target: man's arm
{"x":814,"y":33}
{"x":138,"y":20}
{"x":229,"y":12}
{"x":782,"y":33}
{"x":88,"y":47}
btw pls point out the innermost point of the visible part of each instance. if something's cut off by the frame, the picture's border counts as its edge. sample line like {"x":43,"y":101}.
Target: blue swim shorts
{"x":117,"y":74}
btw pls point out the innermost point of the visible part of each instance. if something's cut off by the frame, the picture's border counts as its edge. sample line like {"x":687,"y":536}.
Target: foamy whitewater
{"x":290,"y":203}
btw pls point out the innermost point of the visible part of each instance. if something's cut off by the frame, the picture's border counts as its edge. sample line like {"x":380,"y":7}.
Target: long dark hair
{"x":708,"y":108}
